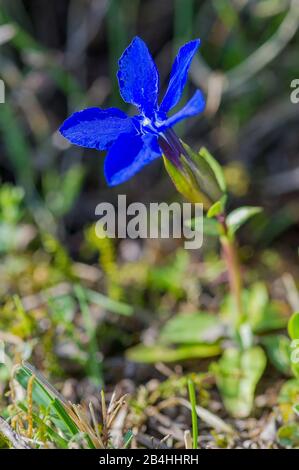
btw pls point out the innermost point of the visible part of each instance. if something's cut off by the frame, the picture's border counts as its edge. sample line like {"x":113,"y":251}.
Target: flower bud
{"x":198,"y":177}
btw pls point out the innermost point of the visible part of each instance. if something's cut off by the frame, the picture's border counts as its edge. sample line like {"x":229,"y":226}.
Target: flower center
{"x":148,"y":126}
{"x":146,"y":121}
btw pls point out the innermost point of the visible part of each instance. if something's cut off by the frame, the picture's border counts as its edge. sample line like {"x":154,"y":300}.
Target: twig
{"x":9,"y":434}
{"x":188,"y":439}
{"x":205,"y":415}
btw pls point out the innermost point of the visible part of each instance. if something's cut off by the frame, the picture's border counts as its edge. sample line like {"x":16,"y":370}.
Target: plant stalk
{"x":230,"y":256}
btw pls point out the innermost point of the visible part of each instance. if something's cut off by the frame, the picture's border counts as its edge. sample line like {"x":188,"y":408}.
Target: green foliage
{"x":288,"y":435}
{"x":240,"y":216}
{"x":293,"y":329}
{"x":158,"y":353}
{"x":278,"y":351}
{"x":52,"y":419}
{"x":215,"y":166}
{"x":107,"y":260}
{"x":61,"y":191}
{"x":60,"y":256}
{"x":296,"y":409}
{"x":263,"y":314}
{"x":217,"y":208}
{"x":293,"y":326}
{"x":170,"y":276}
{"x":192,"y":398}
{"x":185,"y":184}
{"x":211,"y":227}
{"x":289,"y":392}
{"x":109,"y":304}
{"x":199,"y":179}
{"x":237,"y":374}
{"x":11,"y":199}
{"x":11,"y":213}
{"x":191,"y":328}
{"x":49,"y":400}
{"x":195,"y":336}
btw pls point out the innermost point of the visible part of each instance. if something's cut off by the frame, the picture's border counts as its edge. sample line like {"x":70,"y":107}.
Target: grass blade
{"x":192,"y":399}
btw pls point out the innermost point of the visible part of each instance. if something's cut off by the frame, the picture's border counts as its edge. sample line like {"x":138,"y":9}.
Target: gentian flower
{"x":133,"y":142}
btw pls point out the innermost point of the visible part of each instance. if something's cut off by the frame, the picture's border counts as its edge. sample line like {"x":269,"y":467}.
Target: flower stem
{"x":230,"y":256}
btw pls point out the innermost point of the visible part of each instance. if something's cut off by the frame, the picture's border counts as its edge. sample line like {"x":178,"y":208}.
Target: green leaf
{"x":170,"y":277}
{"x":127,"y":439}
{"x":293,"y":326}
{"x":55,"y":437}
{"x":293,"y":329}
{"x":240,"y":216}
{"x":192,"y":328}
{"x":217,"y":208}
{"x":278,"y":350}
{"x":256,"y":301}
{"x":289,"y":392}
{"x":211,"y":227}
{"x":237,"y":374}
{"x":272,"y":318}
{"x":111,"y":305}
{"x":192,"y":398}
{"x":186,"y":185}
{"x":160,"y":353}
{"x":198,"y":177}
{"x":288,"y":435}
{"x":45,"y":396}
{"x":204,"y":170}
{"x":216,"y":167}
{"x":261,"y":313}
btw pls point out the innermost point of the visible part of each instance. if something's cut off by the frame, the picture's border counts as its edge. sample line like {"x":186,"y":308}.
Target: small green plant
{"x":132,"y":143}
{"x":44,"y":418}
{"x":200,"y":335}
{"x":288,"y":434}
{"x":11,"y":213}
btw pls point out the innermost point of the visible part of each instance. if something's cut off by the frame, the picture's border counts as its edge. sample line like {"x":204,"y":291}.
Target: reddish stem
{"x":230,"y":256}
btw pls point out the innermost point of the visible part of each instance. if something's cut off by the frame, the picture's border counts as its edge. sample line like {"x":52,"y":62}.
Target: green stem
{"x":192,"y":398}
{"x":230,"y":256}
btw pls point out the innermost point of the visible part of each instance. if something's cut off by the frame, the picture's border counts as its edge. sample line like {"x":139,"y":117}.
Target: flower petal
{"x":95,"y":127}
{"x":138,"y":77}
{"x":194,"y":106}
{"x":178,"y":75}
{"x":128,"y":155}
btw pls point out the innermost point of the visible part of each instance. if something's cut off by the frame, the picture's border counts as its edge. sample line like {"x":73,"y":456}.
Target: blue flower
{"x":133,"y":142}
